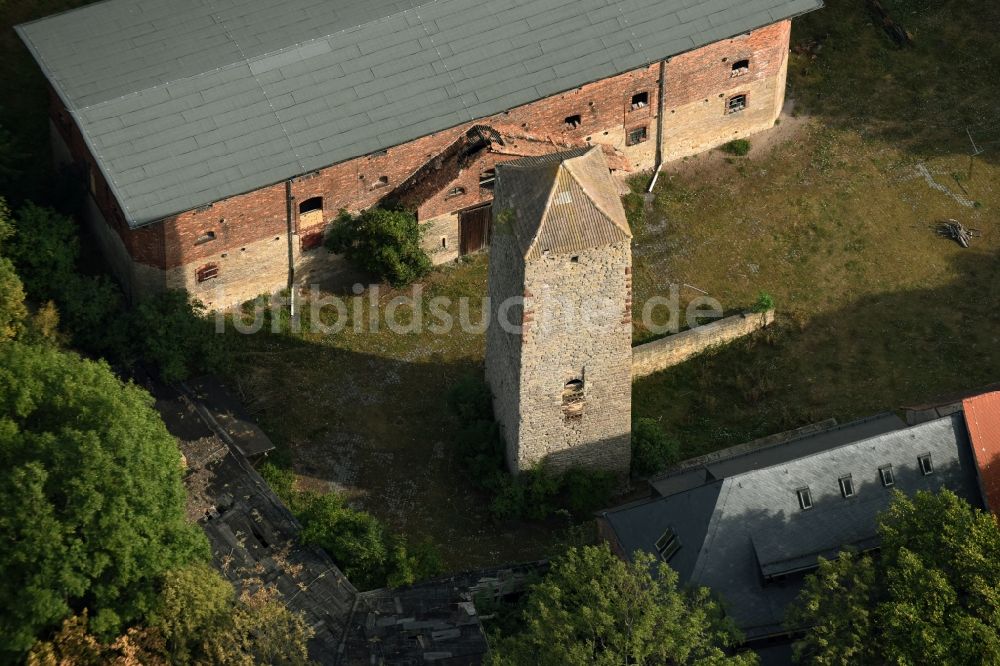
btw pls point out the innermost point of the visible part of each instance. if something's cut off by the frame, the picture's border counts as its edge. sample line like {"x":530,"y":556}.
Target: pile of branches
{"x":956,"y":231}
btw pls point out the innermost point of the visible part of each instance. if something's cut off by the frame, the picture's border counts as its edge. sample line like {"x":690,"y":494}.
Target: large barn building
{"x":222,"y":136}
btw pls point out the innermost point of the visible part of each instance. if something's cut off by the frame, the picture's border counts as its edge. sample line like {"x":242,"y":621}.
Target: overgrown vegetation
{"x":367,"y":552}
{"x":929,"y":597}
{"x":764,"y":302}
{"x":652,"y":449}
{"x":737,"y":147}
{"x":594,"y":608}
{"x":533,"y":494}
{"x":384,"y":241}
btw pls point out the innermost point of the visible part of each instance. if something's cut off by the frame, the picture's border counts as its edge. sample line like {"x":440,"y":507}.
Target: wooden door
{"x":474,"y":229}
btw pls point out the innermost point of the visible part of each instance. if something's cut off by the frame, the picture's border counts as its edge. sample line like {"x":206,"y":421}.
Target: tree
{"x":932,"y":595}
{"x":94,"y":501}
{"x":382,"y":241}
{"x":652,"y":450}
{"x":172,"y":333}
{"x":593,"y":608}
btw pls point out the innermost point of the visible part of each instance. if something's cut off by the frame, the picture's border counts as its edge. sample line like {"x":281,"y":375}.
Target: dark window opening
{"x":455,"y":192}
{"x":575,"y":259}
{"x":805,"y":498}
{"x":310,"y":205}
{"x":846,"y":486}
{"x":311,"y":240}
{"x":444,"y":242}
{"x":572,"y":399}
{"x":382,"y":181}
{"x":668,"y":545}
{"x":638,"y":135}
{"x":736,"y":103}
{"x":885,"y":474}
{"x":640,"y":100}
{"x":741,"y":67}
{"x":205,"y":238}
{"x":926,"y":466}
{"x":573,"y":122}
{"x":207,"y":272}
{"x":488,"y":179}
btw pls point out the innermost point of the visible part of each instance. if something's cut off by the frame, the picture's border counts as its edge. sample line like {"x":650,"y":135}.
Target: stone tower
{"x":559,"y":344}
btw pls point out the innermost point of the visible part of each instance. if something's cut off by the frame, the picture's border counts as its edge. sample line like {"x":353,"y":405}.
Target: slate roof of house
{"x":982,"y":414}
{"x":736,"y":530}
{"x":559,"y":203}
{"x":186,"y":102}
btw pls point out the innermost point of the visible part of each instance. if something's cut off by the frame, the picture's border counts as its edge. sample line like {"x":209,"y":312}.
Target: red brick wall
{"x":604,"y":107}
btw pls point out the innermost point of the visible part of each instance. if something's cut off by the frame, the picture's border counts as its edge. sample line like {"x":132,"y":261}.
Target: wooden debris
{"x":897,"y":32}
{"x":956,"y":231}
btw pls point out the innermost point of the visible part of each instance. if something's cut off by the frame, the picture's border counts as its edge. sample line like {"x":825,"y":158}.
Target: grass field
{"x":829,"y":214}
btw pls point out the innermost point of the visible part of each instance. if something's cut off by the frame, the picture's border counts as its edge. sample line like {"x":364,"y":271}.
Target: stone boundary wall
{"x":672,"y":350}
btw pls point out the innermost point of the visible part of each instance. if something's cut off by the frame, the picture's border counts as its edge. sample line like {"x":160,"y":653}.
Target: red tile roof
{"x":982,"y":417}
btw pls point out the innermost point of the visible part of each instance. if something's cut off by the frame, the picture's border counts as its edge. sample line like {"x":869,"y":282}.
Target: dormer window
{"x":805,"y":498}
{"x":846,"y":486}
{"x":741,"y":67}
{"x":668,"y":545}
{"x":926,"y":466}
{"x":885,"y":475}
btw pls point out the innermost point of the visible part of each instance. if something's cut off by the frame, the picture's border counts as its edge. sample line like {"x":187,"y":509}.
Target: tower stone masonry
{"x":558,"y":355}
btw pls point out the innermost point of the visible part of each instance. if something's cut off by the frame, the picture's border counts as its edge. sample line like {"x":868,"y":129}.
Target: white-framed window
{"x":926,"y":465}
{"x":805,"y":498}
{"x":846,"y":486}
{"x":668,"y":545}
{"x":885,"y":475}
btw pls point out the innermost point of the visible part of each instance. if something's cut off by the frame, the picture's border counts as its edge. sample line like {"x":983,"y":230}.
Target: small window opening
{"x":638,"y":135}
{"x":885,"y":474}
{"x":805,"y":499}
{"x":640,"y":101}
{"x":573,"y":122}
{"x":310,"y":205}
{"x":205,"y":238}
{"x":488,"y":179}
{"x":207,"y":272}
{"x":444,"y":242}
{"x":926,"y":466}
{"x":382,"y":181}
{"x":736,"y":103}
{"x":846,"y":486}
{"x":572,"y":399}
{"x":455,"y":192}
{"x":668,"y":545}
{"x":575,"y":259}
{"x":741,"y":67}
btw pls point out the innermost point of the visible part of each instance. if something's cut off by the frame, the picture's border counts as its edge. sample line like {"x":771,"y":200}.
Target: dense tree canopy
{"x":931,"y":596}
{"x":593,"y":608}
{"x":91,"y":485}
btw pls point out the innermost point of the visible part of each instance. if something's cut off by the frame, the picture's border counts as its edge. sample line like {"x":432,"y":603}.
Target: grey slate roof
{"x":755,"y":528}
{"x":560,"y":203}
{"x":186,"y":102}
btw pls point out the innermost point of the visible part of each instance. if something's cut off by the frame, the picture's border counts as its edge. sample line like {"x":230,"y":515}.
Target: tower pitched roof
{"x":559,"y":203}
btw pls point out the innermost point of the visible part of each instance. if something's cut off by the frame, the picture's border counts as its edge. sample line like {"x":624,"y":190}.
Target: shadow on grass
{"x":873,"y":355}
{"x":922,"y":98}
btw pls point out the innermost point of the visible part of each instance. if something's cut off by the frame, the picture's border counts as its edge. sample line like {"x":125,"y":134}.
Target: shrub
{"x":382,"y":241}
{"x":652,"y":450}
{"x":764,"y":302}
{"x":587,"y":490}
{"x":738,"y":147}
{"x":359,"y":543}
